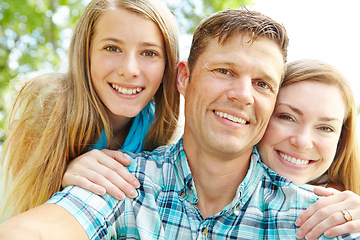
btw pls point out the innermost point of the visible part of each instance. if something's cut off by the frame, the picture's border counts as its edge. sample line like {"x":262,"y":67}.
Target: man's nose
{"x":242,"y":90}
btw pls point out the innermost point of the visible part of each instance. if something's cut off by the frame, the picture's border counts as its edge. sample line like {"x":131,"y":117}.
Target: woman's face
{"x":301,"y":139}
{"x":127,"y":61}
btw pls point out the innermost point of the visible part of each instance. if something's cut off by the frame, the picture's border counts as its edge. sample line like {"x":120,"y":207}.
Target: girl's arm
{"x":47,"y":221}
{"x":325,"y":217}
{"x":102,"y":171}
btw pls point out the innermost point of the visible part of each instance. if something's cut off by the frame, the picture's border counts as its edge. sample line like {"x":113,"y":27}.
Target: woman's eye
{"x":286,"y":117}
{"x":112,"y":49}
{"x":326,"y":129}
{"x":150,"y":54}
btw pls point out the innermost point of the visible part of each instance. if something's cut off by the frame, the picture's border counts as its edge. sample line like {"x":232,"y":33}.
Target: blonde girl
{"x":118,"y":71}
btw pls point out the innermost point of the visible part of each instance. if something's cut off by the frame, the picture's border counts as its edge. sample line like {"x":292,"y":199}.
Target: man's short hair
{"x":225,"y":24}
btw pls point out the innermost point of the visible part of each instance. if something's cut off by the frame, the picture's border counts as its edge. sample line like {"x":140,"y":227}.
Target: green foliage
{"x":31,"y":40}
{"x":34,"y":35}
{"x":189,"y":13}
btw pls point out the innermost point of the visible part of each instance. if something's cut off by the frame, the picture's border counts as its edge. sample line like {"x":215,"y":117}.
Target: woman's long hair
{"x":57,"y":117}
{"x":346,"y":164}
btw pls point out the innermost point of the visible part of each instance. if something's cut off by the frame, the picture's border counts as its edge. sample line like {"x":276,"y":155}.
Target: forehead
{"x":262,"y":56}
{"x":313,"y":97}
{"x":122,"y":21}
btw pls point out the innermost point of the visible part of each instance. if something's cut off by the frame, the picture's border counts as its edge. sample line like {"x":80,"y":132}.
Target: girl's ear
{"x":183,"y":74}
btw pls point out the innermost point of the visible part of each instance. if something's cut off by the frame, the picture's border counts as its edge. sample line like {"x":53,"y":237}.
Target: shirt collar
{"x":244,"y":192}
{"x":186,"y":184}
{"x":251,"y":181}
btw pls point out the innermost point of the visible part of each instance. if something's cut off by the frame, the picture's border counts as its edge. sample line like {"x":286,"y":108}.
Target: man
{"x":211,"y":184}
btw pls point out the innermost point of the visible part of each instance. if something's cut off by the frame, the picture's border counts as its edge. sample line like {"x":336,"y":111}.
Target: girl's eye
{"x":326,"y":129}
{"x":150,"y":54}
{"x":112,"y":49}
{"x":286,"y":117}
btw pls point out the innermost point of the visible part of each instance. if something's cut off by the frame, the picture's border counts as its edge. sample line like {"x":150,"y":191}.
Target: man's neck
{"x":216,"y":179}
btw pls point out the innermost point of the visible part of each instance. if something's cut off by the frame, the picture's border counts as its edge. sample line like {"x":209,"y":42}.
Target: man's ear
{"x":183,"y":75}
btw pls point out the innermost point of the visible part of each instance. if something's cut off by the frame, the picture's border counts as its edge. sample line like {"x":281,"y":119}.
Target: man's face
{"x":230,"y":95}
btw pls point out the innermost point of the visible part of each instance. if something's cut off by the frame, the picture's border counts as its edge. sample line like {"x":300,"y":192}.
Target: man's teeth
{"x":230,"y":117}
{"x":127,"y":91}
{"x":294,"y":160}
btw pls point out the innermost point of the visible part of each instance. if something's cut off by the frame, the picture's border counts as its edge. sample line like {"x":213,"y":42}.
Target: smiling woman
{"x":304,"y":130}
{"x":312,"y":138}
{"x":312,"y":134}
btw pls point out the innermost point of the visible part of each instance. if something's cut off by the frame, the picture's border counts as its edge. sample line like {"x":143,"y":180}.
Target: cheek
{"x":101,"y":65}
{"x":154,"y":72}
{"x":275,"y":131}
{"x":265,"y":108}
{"x":328,"y":150}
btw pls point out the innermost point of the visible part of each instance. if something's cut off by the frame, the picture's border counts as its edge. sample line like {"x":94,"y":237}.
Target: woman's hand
{"x":325,"y":217}
{"x":100,"y":172}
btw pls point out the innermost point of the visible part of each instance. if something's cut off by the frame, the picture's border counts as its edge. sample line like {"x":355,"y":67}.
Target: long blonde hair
{"x":345,"y":167}
{"x":56,"y":117}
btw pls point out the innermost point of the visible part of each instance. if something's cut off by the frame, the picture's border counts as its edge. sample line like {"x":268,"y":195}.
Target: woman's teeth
{"x":230,"y":117}
{"x":127,"y":91}
{"x":293,"y":160}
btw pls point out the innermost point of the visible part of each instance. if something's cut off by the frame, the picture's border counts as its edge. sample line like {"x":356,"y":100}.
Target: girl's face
{"x":127,"y":61}
{"x":301,"y":139}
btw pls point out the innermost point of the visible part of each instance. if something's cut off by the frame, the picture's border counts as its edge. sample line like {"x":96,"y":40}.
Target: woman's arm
{"x":100,"y":172}
{"x":325,"y":217}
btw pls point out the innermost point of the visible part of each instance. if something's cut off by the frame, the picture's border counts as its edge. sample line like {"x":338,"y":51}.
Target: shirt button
{"x":183,"y":194}
{"x":204,"y":231}
{"x":237,"y":210}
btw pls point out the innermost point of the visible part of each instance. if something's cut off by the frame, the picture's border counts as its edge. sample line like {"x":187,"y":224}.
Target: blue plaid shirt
{"x":266,"y":205}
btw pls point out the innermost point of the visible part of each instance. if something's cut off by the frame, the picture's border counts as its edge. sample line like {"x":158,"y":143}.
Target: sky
{"x":327,"y":30}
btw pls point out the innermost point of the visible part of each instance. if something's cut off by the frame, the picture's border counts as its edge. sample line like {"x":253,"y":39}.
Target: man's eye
{"x":112,"y":49}
{"x":223,"y":71}
{"x":262,"y":84}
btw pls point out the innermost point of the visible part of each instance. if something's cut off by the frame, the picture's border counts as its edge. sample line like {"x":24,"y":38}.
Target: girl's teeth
{"x":127,"y":91}
{"x":230,"y":117}
{"x":294,"y":160}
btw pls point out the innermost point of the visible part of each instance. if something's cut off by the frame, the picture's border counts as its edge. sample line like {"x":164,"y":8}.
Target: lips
{"x":230,"y":117}
{"x":126,"y":91}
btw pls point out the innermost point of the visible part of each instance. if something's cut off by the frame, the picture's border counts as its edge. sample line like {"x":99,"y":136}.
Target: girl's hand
{"x":325,"y":217}
{"x":100,"y":172}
